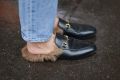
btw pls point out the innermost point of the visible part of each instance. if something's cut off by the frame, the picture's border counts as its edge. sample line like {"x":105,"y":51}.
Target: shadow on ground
{"x":105,"y":65}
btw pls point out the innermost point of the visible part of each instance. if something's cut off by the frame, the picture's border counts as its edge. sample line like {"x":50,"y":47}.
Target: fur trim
{"x":41,"y":57}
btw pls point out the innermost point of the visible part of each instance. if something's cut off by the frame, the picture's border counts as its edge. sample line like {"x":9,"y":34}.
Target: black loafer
{"x":78,"y":31}
{"x":73,"y":49}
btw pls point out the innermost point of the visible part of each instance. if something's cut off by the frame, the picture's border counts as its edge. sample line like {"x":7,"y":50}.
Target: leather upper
{"x":77,"y":30}
{"x":73,"y":48}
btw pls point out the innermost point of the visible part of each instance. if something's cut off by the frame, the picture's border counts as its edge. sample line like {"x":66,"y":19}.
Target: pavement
{"x":104,"y":65}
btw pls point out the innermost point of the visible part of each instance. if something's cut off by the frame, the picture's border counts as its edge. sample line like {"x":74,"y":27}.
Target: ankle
{"x":41,"y":47}
{"x":56,"y":27}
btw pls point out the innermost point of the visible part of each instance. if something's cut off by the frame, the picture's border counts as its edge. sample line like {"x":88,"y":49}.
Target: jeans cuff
{"x":38,"y":39}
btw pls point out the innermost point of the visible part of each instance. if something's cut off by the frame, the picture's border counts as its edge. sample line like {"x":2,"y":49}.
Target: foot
{"x":41,"y":51}
{"x":57,"y":47}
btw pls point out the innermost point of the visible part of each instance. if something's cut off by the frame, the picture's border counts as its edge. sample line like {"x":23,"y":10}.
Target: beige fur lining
{"x":41,"y":57}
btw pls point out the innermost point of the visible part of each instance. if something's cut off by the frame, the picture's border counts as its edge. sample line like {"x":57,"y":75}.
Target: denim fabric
{"x":37,"y":19}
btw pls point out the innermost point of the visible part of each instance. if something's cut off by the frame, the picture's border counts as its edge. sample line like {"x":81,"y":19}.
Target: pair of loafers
{"x":73,"y":48}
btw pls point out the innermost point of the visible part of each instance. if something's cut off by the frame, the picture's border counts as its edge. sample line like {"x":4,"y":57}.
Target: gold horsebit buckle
{"x":64,"y":44}
{"x":68,"y":25}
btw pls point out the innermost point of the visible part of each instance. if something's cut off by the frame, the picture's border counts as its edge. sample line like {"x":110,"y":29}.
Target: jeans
{"x":37,"y":19}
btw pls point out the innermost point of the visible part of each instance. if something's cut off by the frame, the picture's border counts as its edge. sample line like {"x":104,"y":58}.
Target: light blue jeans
{"x":37,"y":19}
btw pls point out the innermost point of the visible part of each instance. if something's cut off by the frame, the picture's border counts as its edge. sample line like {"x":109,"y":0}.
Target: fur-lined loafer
{"x":78,"y":31}
{"x":63,"y":47}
